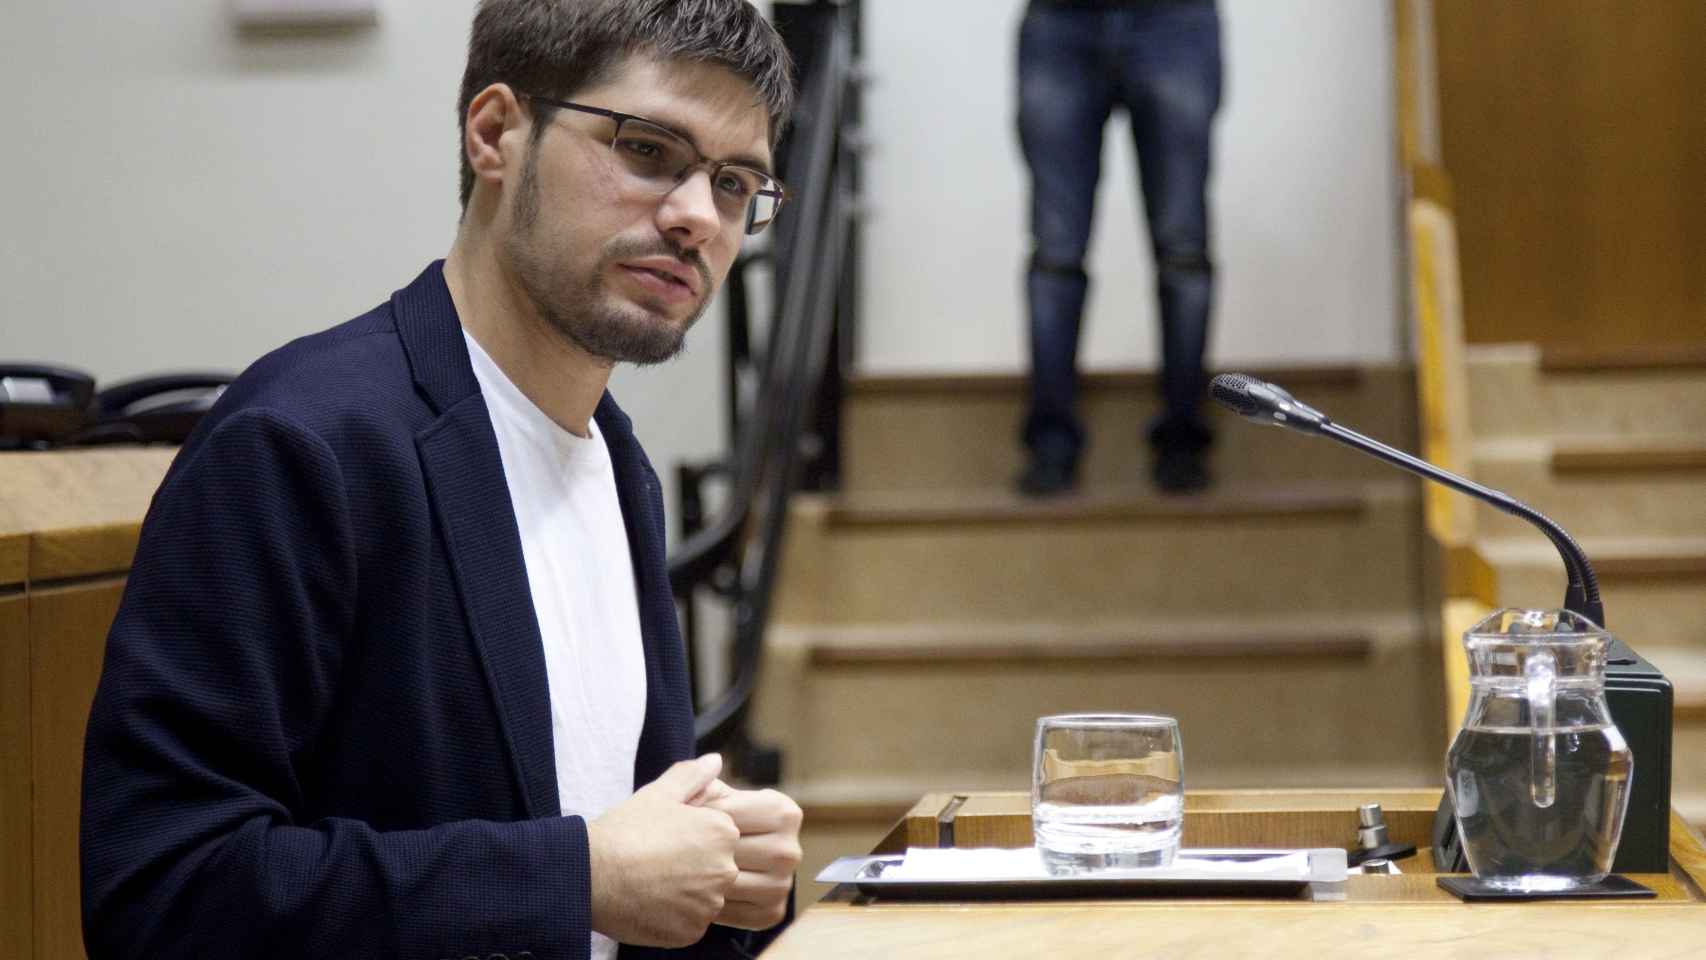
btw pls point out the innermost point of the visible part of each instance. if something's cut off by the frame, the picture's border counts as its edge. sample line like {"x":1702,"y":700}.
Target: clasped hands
{"x":686,"y":851}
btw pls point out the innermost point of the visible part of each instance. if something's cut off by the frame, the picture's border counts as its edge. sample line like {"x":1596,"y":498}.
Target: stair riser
{"x":1510,"y":397}
{"x":1647,"y":615}
{"x":1267,"y":723}
{"x":1594,"y":505}
{"x":968,"y":441}
{"x":1043,"y":571}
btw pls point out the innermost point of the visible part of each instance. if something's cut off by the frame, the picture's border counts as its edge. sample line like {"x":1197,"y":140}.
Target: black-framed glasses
{"x":658,"y":159}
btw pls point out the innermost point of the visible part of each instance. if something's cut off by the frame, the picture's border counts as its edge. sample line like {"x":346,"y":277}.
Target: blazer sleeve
{"x":220,"y":667}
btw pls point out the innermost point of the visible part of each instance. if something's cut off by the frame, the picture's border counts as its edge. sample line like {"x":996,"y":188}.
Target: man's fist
{"x":663,"y":868}
{"x":767,"y":853}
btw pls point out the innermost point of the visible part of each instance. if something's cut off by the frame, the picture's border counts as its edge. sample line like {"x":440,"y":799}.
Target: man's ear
{"x":497,"y":129}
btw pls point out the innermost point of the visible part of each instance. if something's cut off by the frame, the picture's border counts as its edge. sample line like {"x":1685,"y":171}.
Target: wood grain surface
{"x":1574,"y":137}
{"x":78,"y":508}
{"x":16,"y":863}
{"x":68,"y":530}
{"x":68,"y":628}
{"x":1405,"y":915}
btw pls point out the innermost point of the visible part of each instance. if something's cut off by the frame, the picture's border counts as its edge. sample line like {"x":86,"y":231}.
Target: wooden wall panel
{"x":1575,"y":137}
{"x":68,"y":633}
{"x":16,"y":863}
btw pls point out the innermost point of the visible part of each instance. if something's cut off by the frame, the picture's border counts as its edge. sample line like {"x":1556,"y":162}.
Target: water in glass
{"x":1108,"y":792}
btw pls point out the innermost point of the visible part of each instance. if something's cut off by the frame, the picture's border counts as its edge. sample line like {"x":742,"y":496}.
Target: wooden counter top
{"x":1403,"y":915}
{"x":74,"y":513}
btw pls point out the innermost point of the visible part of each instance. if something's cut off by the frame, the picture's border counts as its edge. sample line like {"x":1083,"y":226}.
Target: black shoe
{"x":1181,"y":471}
{"x":1047,"y":477}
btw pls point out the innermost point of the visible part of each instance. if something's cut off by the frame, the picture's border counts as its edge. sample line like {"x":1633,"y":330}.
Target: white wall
{"x":1304,"y":197}
{"x":177,"y":195}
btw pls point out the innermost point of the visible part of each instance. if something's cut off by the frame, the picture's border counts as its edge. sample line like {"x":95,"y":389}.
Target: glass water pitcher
{"x":1539,"y":775}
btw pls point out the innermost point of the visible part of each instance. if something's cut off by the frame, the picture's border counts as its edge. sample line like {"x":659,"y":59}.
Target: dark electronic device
{"x":44,"y":406}
{"x":41,"y":405}
{"x":161,"y":409}
{"x":1639,"y":696}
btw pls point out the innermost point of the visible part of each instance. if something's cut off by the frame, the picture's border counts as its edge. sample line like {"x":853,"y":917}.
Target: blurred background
{"x":1471,"y":229}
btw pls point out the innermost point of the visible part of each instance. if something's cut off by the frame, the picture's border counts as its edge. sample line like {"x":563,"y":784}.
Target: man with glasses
{"x":397,"y":672}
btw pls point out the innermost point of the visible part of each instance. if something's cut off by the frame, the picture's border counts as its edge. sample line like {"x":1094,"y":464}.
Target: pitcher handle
{"x":1540,"y":669}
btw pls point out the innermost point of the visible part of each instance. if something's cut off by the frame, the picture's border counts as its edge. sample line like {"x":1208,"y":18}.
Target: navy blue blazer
{"x":322,"y":726}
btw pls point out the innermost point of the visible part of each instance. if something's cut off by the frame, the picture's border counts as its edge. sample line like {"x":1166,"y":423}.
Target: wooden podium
{"x":68,"y":527}
{"x":1386,"y":916}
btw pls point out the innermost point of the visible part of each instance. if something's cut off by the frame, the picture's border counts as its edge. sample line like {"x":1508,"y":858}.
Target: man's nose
{"x":689,"y":212}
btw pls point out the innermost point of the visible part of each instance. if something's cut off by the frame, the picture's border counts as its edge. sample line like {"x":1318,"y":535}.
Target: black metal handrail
{"x":736,"y":554}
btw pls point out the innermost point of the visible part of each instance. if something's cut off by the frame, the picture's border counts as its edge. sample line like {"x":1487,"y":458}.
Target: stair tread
{"x":1588,"y":447}
{"x":971,"y":383}
{"x":1681,"y":554}
{"x":1109,"y":502}
{"x":943,"y":643}
{"x":1665,"y":357}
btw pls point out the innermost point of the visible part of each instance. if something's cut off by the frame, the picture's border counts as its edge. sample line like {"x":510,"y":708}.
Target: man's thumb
{"x":683,"y":781}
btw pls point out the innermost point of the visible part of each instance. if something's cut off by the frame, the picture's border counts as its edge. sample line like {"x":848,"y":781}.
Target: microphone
{"x":1266,"y":403}
{"x":1640,"y":697}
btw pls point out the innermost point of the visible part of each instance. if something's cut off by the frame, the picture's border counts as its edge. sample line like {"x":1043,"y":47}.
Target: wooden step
{"x":1512,"y":393}
{"x":1655,"y":358}
{"x":936,"y":557}
{"x":1644,"y":455}
{"x":1097,"y":505}
{"x":962,"y":431}
{"x":1276,"y":701}
{"x":1038,"y":645}
{"x":1654,"y":588}
{"x":1597,"y":488}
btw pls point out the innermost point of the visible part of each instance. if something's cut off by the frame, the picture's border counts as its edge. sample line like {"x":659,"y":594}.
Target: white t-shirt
{"x":581,"y":575}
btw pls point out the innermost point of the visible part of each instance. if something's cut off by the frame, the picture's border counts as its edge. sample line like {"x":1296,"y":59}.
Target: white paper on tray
{"x":943,"y":865}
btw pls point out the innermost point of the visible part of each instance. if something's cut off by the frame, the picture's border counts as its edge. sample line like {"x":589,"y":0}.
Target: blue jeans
{"x":1161,"y":62}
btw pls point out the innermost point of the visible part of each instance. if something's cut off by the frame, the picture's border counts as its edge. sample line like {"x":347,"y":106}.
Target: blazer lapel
{"x":465,"y":481}
{"x":667,"y":734}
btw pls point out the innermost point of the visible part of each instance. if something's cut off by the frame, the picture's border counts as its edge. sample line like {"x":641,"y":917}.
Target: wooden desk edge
{"x":919,"y":827}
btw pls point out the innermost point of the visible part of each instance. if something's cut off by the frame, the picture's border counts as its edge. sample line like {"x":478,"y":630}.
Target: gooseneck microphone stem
{"x":1269,"y":404}
{"x":1582,"y":595}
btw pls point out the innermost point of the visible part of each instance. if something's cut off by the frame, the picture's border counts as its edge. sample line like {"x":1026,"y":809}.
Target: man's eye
{"x":640,"y":149}
{"x":735,"y":186}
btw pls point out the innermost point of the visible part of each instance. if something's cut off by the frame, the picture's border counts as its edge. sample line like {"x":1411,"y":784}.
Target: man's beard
{"x":577,"y":306}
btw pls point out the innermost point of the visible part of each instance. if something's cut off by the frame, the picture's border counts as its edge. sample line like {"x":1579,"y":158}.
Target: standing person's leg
{"x":1064,"y":100}
{"x":1170,"y":81}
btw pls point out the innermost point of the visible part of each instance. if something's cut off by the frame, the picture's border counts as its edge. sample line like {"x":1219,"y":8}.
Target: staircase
{"x":926,"y":616}
{"x":1614,"y":449}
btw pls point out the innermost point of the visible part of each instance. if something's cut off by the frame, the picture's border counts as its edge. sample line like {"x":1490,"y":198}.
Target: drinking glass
{"x":1107,"y":791}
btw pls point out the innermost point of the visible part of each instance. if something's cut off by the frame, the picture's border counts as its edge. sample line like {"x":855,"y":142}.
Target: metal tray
{"x":1193,"y":873}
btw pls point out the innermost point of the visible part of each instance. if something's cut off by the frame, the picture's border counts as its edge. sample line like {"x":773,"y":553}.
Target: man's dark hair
{"x":556,"y":47}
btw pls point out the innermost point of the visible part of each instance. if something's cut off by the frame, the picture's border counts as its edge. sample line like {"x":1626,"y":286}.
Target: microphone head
{"x":1233,"y":391}
{"x":1266,"y":403}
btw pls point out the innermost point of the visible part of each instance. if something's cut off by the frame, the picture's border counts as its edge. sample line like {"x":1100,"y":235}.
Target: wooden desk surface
{"x":1402,"y":915}
{"x":74,"y":513}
